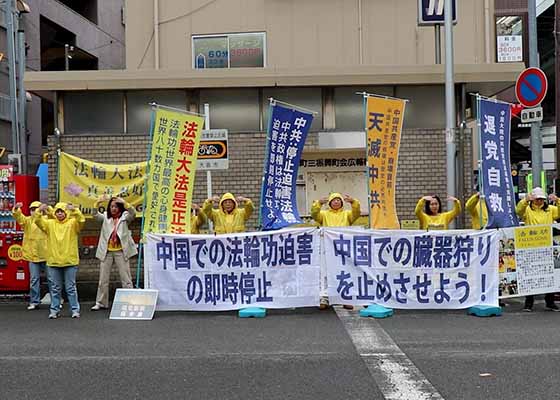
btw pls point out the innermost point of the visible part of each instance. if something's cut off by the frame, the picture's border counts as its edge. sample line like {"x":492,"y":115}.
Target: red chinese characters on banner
{"x":173,"y":162}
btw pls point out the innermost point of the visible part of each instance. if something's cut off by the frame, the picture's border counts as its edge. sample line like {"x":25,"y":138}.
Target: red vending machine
{"x":14,"y":270}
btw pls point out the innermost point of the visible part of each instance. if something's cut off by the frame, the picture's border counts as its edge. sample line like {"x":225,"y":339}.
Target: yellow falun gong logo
{"x":15,"y":252}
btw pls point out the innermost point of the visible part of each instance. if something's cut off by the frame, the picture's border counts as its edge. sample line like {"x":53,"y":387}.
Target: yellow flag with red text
{"x":384,"y":119}
{"x":172,"y":168}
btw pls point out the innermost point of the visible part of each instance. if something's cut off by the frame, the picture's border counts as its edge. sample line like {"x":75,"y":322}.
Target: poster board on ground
{"x":135,"y":304}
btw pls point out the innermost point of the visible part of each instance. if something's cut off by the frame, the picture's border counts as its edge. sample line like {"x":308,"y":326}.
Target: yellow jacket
{"x":473,"y":208}
{"x":62,"y":237}
{"x":536,"y":216}
{"x":197,"y":221}
{"x":34,"y":239}
{"x":440,"y":221}
{"x":330,"y":217}
{"x":228,"y":223}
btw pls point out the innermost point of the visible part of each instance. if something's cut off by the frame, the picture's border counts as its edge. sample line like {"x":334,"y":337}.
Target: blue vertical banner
{"x":287,"y":130}
{"x":497,"y":185}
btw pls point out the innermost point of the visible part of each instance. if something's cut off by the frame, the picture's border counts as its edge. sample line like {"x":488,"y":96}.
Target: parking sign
{"x":431,"y":12}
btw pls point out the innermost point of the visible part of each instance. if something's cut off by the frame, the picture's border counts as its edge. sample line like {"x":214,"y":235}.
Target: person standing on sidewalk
{"x":428,"y":211}
{"x":335,"y":216}
{"x":534,"y":210}
{"x":115,"y":246}
{"x":229,"y":217}
{"x":473,"y":206}
{"x":198,"y":219}
{"x":62,"y":253}
{"x":34,"y":250}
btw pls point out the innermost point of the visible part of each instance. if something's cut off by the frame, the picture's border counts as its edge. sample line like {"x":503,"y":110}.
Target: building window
{"x":307,"y":97}
{"x":233,"y":50}
{"x":509,"y":38}
{"x":139,"y":111}
{"x":234,"y":109}
{"x":88,"y":112}
{"x":349,"y":106}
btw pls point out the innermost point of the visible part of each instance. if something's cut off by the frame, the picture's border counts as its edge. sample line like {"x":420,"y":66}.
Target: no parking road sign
{"x":531,"y":87}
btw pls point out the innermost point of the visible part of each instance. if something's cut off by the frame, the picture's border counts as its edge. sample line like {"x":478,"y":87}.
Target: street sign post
{"x":531,"y":87}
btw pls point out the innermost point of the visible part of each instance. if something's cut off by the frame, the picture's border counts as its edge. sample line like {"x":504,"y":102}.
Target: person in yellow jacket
{"x":336,"y":215}
{"x":198,"y":219}
{"x":62,"y":253}
{"x":428,"y":211}
{"x":34,"y":251}
{"x":534,"y":210}
{"x":228,"y":217}
{"x":473,"y":207}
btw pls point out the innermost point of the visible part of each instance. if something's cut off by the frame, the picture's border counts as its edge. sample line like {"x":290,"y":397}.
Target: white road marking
{"x":395,"y":375}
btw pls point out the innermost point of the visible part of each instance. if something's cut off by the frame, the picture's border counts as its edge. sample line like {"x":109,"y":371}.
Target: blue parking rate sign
{"x":431,"y":12}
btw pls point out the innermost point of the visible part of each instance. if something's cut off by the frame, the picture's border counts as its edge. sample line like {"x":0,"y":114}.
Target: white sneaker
{"x":324,"y":303}
{"x":46,"y":300}
{"x":75,"y":315}
{"x":33,"y":307}
{"x":53,"y":315}
{"x":98,"y":307}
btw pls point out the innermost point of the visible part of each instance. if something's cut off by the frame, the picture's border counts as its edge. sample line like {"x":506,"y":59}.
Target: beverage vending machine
{"x":14,"y":270}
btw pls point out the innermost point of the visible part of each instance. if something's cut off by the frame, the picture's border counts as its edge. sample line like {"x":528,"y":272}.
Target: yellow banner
{"x":531,"y":237}
{"x":82,"y":182}
{"x":175,"y":142}
{"x":384,"y":118}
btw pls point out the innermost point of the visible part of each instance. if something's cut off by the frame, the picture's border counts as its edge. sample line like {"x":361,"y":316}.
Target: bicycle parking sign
{"x":213,"y":150}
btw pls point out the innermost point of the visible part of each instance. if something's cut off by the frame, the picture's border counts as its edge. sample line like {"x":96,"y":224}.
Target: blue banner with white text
{"x":497,"y":184}
{"x":287,"y":131}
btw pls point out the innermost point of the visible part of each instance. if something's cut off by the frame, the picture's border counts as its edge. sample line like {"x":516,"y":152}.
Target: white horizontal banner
{"x":279,"y":269}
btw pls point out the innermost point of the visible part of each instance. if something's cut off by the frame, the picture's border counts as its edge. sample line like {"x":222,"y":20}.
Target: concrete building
{"x":94,"y":33}
{"x":236,"y":54}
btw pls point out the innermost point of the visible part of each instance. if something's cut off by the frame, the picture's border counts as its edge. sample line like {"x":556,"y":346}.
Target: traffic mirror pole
{"x":450,"y":117}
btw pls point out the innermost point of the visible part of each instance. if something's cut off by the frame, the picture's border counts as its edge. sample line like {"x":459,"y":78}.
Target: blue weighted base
{"x":254,"y":312}
{"x":485,"y":311}
{"x":376,"y":311}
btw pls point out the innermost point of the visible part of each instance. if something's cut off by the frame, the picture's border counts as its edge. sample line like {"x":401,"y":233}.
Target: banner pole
{"x":481,"y":196}
{"x":364,"y":116}
{"x":271,"y":104}
{"x":293,"y":106}
{"x":58,"y":151}
{"x":380,"y":96}
{"x":148,"y":155}
{"x":154,"y":104}
{"x":208,"y":172}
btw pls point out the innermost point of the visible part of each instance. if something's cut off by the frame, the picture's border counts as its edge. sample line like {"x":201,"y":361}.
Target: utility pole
{"x":22,"y":101}
{"x":536,"y":140}
{"x":450,"y":118}
{"x":557,"y":85}
{"x":9,"y":10}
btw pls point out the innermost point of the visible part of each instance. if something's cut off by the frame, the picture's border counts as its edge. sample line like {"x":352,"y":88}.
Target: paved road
{"x":303,"y":354}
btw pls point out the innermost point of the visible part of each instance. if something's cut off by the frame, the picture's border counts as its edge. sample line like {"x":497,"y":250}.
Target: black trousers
{"x":548,"y":299}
